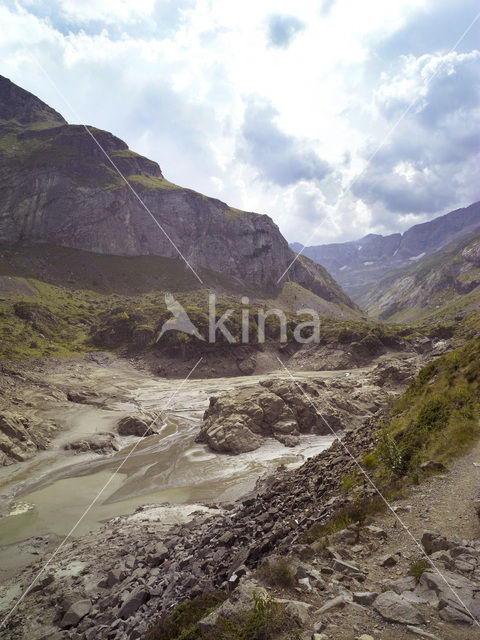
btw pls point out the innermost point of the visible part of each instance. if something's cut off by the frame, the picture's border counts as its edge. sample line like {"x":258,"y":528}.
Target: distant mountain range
{"x":359,"y":265}
{"x":58,"y":188}
{"x":444,"y":287}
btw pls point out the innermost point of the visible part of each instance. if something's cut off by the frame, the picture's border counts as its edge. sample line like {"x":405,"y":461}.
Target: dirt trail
{"x":444,"y":503}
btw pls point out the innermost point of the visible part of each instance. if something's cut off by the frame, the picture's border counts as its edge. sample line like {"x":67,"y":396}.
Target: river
{"x":48,"y":495}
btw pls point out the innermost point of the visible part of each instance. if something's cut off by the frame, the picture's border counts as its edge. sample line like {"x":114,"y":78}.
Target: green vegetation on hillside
{"x":436,"y":420}
{"x":266,"y":620}
{"x":89,"y":300}
{"x":152,"y":182}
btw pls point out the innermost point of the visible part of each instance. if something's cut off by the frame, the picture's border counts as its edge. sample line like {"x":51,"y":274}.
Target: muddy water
{"x":49,"y":495}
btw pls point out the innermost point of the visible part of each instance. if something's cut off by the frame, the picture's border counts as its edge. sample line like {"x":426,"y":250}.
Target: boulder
{"x":231,"y":436}
{"x":365,"y":598}
{"x":432,"y":542}
{"x":394,"y":608}
{"x":299,"y":611}
{"x":402,"y":584}
{"x":136,"y":425}
{"x":373,"y":531}
{"x":133,"y":601}
{"x":387,"y":561}
{"x":101,"y":443}
{"x":334,"y":603}
{"x":421,"y":633}
{"x":76,"y":612}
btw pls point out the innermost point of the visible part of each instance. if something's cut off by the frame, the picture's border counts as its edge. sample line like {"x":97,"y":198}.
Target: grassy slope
{"x":60,"y":301}
{"x":437,"y":418}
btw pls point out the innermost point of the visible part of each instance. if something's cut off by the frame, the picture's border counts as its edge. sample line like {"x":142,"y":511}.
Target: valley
{"x":163,"y":480}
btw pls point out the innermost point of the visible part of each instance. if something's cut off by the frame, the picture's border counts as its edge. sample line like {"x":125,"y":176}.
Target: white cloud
{"x":108,"y":11}
{"x":175,"y":80}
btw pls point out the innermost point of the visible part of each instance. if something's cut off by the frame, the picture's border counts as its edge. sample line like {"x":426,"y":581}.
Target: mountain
{"x":443,"y":287}
{"x":57,"y":187}
{"x":359,"y":264}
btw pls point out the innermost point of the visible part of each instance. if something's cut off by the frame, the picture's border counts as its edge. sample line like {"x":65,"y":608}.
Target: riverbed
{"x":58,"y":493}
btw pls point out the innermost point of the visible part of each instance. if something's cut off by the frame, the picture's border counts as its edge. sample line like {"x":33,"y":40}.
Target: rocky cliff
{"x":358,"y":265}
{"x":58,"y":187}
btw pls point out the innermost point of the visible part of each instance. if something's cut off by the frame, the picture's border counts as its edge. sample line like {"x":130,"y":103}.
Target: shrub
{"x":390,"y":454}
{"x":370,"y":461}
{"x":418,"y":567}
{"x":277,"y":573}
{"x":181,"y":624}
{"x":264,"y":621}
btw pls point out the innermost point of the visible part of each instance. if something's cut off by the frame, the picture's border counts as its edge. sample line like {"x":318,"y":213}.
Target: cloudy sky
{"x":337,"y":118}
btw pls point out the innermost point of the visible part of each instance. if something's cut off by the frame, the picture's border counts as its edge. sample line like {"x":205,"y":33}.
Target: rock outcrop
{"x":21,"y":438}
{"x":239,"y":422}
{"x":99,"y":443}
{"x":140,"y":425}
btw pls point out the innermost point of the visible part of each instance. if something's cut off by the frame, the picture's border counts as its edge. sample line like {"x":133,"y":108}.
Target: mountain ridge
{"x":58,"y":188}
{"x":442,"y":286}
{"x":358,"y":264}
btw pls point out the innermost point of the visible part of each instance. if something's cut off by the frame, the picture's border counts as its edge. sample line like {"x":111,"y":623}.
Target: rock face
{"x":240,"y":422}
{"x":360,"y":263}
{"x":20,"y":439}
{"x":57,"y":187}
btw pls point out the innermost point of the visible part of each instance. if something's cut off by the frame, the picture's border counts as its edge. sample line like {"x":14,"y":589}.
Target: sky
{"x":337,"y":118}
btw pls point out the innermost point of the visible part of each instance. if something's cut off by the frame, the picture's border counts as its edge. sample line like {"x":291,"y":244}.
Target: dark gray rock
{"x":77,"y":611}
{"x":394,"y":608}
{"x":133,"y":602}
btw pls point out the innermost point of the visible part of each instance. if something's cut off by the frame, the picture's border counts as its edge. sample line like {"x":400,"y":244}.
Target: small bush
{"x":360,"y":511}
{"x":370,"y":461}
{"x":390,"y":454}
{"x":181,"y":624}
{"x":418,"y":567}
{"x":277,"y":573}
{"x":265,"y":621}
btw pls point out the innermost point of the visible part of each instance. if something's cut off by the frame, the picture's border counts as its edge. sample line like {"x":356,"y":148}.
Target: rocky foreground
{"x":115,"y":582}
